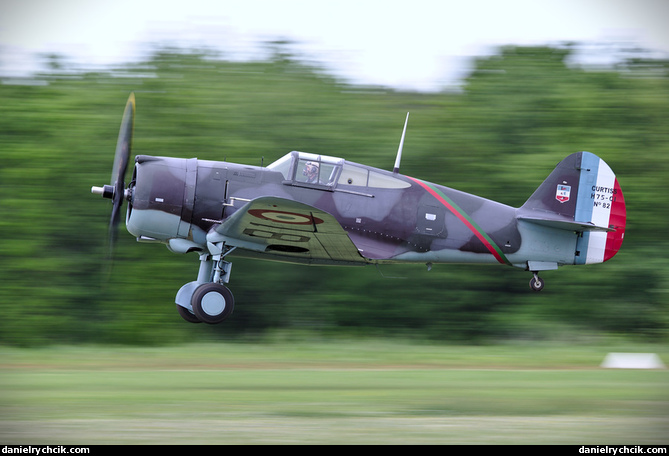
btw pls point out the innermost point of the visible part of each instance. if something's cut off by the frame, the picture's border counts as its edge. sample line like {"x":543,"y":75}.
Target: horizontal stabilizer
{"x":566,"y":224}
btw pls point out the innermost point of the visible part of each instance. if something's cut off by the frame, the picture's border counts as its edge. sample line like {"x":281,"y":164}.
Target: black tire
{"x":537,"y":284}
{"x":187,"y":315}
{"x":212,"y":303}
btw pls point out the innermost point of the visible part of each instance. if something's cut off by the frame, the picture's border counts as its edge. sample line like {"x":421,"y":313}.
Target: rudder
{"x":601,"y":201}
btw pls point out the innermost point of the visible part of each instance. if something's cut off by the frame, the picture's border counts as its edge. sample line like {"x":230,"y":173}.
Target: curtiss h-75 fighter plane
{"x":322,"y":210}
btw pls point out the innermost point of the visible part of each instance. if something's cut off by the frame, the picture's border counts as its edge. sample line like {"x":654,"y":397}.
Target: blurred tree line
{"x":518,"y":114}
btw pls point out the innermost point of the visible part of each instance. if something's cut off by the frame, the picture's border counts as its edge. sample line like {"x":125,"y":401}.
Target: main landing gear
{"x":207,"y":300}
{"x":212,"y":303}
{"x":536,"y":283}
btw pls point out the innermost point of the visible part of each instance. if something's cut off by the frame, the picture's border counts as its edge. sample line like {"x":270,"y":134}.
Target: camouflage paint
{"x":482,"y":236}
{"x":406,"y":219}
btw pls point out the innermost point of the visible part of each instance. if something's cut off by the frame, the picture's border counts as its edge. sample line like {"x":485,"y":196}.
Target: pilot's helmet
{"x":310,"y":168}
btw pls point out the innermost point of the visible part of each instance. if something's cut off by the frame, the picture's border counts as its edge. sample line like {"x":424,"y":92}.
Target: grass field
{"x":368,"y":392}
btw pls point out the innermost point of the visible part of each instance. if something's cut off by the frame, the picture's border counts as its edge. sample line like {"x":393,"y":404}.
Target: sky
{"x":411,"y":44}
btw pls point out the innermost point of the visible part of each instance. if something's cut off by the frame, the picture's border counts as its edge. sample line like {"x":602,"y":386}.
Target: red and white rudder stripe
{"x":600,"y":202}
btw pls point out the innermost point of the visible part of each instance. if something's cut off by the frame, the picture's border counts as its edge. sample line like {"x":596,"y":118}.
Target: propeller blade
{"x":124,"y":142}
{"x":121,"y":159}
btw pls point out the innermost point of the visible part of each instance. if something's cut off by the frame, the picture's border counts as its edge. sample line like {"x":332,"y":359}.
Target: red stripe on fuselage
{"x":464,"y":219}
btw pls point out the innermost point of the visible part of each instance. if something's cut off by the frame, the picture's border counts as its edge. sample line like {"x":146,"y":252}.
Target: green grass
{"x":337,"y":392}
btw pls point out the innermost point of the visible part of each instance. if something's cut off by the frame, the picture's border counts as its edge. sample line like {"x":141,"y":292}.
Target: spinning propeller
{"x":116,"y":191}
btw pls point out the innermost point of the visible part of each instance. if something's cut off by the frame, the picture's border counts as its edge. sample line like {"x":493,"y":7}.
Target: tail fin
{"x":582,"y":194}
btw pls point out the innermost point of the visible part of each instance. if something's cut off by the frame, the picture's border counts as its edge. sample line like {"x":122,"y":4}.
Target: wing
{"x":288,"y":229}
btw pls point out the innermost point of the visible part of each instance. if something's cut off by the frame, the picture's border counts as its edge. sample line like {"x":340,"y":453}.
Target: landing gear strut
{"x":207,"y":300}
{"x":536,"y":283}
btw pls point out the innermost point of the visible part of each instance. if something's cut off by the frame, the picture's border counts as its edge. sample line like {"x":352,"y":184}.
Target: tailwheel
{"x":536,"y":283}
{"x":187,"y":315}
{"x":212,"y":303}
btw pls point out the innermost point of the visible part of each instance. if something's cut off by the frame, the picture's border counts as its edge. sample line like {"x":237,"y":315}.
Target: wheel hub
{"x":213,"y":303}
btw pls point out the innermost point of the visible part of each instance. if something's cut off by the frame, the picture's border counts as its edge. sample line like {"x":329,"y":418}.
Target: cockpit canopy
{"x":323,"y":171}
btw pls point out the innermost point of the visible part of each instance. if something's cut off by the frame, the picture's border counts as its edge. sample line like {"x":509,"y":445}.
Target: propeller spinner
{"x":116,"y":191}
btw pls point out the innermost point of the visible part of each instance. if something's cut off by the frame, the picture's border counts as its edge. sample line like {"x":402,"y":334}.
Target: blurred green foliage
{"x":520,"y":112}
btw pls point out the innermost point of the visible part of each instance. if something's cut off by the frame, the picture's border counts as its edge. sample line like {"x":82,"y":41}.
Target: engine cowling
{"x":161,"y":195}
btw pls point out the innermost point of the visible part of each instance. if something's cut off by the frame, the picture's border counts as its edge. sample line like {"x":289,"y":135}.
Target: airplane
{"x":323,"y":210}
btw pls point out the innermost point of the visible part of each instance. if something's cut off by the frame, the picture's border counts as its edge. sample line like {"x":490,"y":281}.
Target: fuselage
{"x":389,"y":217}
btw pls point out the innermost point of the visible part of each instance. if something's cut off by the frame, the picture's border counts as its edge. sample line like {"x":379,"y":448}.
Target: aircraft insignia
{"x":562,"y":193}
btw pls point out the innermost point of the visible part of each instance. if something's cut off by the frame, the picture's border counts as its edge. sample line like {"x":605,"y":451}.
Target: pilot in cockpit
{"x":311,"y":172}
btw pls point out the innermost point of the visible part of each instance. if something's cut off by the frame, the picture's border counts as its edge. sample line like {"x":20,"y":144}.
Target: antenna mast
{"x":396,"y":169}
